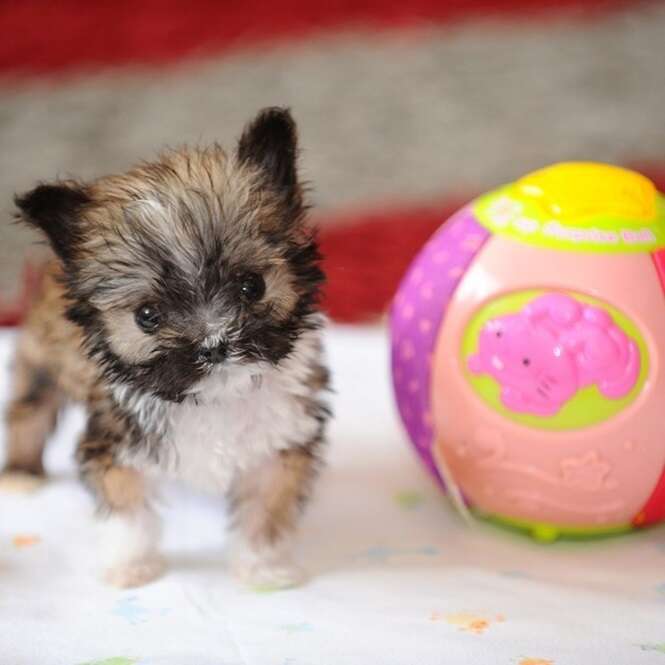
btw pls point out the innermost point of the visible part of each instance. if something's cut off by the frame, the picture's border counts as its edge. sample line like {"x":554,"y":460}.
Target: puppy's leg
{"x":130,"y":528}
{"x":31,"y":417}
{"x":266,"y":503}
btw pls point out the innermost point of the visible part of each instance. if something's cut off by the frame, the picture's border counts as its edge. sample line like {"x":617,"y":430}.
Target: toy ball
{"x":528,"y":338}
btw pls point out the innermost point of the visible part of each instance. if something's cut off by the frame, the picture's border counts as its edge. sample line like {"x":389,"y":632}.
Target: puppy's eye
{"x":147,"y":318}
{"x":252,"y":287}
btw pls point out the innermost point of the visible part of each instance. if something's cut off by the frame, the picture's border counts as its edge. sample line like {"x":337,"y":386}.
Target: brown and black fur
{"x":183,"y":234}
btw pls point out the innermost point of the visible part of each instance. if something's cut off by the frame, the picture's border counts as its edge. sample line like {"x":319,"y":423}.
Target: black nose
{"x":213,"y":354}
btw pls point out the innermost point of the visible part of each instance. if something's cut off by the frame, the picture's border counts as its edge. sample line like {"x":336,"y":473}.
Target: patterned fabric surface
{"x":397,"y":578}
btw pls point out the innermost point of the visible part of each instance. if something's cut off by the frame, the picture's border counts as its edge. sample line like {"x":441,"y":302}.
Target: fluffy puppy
{"x":181,"y":308}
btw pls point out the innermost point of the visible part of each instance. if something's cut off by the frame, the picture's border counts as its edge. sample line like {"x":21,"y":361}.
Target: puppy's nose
{"x":213,"y":354}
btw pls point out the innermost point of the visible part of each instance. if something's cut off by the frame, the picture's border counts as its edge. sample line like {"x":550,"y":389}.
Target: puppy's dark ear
{"x":270,"y":142}
{"x":55,"y":209}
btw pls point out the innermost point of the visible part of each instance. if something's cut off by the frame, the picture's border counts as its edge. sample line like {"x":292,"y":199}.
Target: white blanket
{"x":396,"y":577}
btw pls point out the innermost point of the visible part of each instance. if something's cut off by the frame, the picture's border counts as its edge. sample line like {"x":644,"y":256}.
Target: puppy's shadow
{"x":210,"y":561}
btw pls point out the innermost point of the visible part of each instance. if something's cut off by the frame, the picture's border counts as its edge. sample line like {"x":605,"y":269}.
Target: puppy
{"x":181,"y":307}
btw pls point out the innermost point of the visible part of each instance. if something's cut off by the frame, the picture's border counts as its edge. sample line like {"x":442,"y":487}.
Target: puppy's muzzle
{"x":213,"y":354}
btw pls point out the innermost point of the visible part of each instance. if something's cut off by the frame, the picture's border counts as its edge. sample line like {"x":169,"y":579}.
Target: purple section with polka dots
{"x":416,"y":314}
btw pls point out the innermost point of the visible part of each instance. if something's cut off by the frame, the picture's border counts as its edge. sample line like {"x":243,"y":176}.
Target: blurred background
{"x":406,"y":109}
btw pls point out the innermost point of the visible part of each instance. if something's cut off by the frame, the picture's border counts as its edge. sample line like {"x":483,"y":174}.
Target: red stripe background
{"x":39,"y":37}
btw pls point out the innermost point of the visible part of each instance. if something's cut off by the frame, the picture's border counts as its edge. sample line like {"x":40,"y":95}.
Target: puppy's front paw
{"x":136,"y":572}
{"x":269,"y":574}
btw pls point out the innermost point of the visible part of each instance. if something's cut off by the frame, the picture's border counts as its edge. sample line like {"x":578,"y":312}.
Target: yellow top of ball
{"x":578,"y":206}
{"x":583,"y":190}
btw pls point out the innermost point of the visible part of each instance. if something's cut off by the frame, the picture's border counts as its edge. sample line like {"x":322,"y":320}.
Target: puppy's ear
{"x":270,"y":142}
{"x":56,"y":210}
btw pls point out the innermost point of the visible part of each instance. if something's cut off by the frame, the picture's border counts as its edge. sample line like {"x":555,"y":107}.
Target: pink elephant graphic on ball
{"x":542,"y":355}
